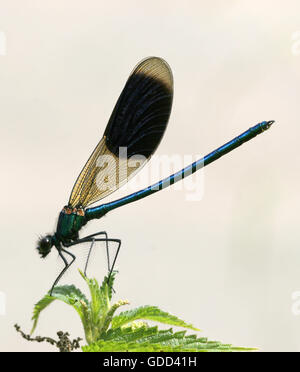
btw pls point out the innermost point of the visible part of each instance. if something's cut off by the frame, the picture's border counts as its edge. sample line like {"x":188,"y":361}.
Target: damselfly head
{"x":44,"y":245}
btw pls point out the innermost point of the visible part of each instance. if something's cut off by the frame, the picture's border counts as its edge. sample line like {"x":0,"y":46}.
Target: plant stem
{"x":64,"y":344}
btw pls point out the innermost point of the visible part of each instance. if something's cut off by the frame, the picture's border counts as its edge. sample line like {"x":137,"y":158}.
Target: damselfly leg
{"x":67,"y":265}
{"x":92,"y":239}
{"x":87,"y":239}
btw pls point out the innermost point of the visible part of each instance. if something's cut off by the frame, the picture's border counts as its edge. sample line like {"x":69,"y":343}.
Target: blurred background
{"x":228,"y":263}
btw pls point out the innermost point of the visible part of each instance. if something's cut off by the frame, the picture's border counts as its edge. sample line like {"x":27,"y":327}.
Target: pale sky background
{"x":229,"y":263}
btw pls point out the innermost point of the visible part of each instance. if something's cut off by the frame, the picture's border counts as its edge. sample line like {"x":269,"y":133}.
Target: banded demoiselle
{"x":137,"y":124}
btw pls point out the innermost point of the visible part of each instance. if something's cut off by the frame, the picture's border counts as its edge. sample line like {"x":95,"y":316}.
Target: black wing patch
{"x":142,"y":111}
{"x":138,"y":123}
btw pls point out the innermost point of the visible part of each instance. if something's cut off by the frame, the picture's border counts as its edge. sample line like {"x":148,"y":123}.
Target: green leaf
{"x":100,"y":296}
{"x":151,"y":339}
{"x":101,"y":312}
{"x":96,"y":304}
{"x":126,"y":332}
{"x":107,"y":286}
{"x":39,"y":306}
{"x":68,"y":294}
{"x":109,"y":316}
{"x":149,"y":313}
{"x":112,"y":346}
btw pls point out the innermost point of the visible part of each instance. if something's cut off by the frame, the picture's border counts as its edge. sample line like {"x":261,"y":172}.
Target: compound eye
{"x":45,"y":245}
{"x":46,"y":242}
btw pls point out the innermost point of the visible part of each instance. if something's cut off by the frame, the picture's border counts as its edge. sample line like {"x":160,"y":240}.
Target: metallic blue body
{"x":101,"y":210}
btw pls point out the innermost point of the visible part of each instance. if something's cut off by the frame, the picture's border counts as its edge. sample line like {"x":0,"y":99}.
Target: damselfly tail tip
{"x":266,"y":124}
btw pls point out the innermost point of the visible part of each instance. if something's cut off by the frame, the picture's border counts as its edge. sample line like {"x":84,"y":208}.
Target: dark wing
{"x":134,"y":130}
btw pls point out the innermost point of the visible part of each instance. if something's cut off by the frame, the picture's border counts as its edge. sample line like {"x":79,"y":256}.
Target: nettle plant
{"x":127,"y":331}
